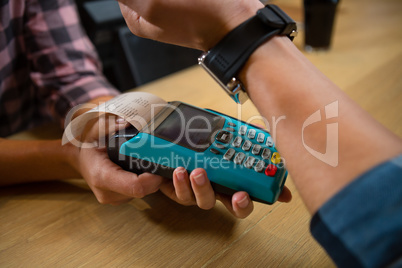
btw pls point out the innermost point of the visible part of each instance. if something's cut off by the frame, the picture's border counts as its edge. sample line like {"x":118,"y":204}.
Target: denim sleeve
{"x":361,"y":226}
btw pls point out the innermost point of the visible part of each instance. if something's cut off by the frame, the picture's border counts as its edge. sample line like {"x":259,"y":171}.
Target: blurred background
{"x":128,"y":60}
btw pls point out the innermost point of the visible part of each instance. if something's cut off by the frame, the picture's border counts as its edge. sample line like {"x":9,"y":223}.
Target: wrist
{"x":228,"y":57}
{"x":269,"y":60}
{"x":281,"y":65}
{"x":70,"y":154}
{"x":240,"y":13}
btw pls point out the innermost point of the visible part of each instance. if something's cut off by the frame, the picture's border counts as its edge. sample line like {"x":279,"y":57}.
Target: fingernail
{"x":243,"y":203}
{"x":120,"y":120}
{"x":199,"y":179}
{"x":180,"y":174}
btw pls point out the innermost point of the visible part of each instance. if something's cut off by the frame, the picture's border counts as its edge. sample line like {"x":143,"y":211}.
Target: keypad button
{"x":239,"y":158}
{"x":269,"y":141}
{"x":249,"y":162}
{"x":259,"y":167}
{"x":271,"y":170}
{"x":276,"y":158}
{"x":214,"y":151}
{"x":230,"y":129}
{"x":246,"y":145}
{"x":224,"y":137}
{"x":231,"y":124}
{"x":229,"y":154}
{"x":237,"y":141}
{"x":266,"y":153}
{"x":251,"y":134}
{"x":242,"y":130}
{"x":256,"y":149}
{"x":260,"y":137}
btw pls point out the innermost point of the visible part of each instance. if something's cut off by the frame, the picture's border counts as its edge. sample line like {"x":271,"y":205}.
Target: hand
{"x":195,"y":24}
{"x":196,"y":189}
{"x":109,"y":182}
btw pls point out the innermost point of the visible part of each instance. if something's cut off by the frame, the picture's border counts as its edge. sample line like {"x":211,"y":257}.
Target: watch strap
{"x":227,"y":58}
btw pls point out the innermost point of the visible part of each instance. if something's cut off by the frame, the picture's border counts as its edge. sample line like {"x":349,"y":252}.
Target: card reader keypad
{"x":248,"y":146}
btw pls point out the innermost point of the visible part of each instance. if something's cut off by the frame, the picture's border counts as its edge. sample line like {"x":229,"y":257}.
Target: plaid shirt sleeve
{"x":64,"y":65}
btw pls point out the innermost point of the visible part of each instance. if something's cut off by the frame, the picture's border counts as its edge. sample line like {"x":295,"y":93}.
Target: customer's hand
{"x":195,"y":24}
{"x":196,"y":189}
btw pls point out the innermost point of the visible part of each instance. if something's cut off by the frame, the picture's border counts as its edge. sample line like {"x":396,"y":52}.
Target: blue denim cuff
{"x":361,"y":226}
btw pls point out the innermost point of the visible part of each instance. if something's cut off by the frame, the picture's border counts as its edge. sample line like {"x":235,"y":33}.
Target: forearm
{"x":40,"y":160}
{"x":35,"y":160}
{"x":283,"y":84}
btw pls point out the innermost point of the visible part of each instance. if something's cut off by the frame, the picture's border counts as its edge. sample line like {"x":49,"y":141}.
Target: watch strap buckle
{"x":234,"y":88}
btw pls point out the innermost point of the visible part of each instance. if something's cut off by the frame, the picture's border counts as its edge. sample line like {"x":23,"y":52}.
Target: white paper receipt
{"x":137,"y":108}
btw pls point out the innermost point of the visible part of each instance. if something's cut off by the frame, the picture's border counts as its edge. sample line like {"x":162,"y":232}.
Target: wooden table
{"x":59,"y":224}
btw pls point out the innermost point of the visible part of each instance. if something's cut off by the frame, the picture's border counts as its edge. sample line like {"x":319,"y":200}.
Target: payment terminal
{"x":236,"y":156}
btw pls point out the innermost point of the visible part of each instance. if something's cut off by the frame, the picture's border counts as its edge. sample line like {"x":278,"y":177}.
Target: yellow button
{"x":276,"y":158}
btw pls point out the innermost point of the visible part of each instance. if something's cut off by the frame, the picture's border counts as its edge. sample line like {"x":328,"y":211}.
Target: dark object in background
{"x":319,"y":17}
{"x":128,"y":60}
{"x":143,"y":60}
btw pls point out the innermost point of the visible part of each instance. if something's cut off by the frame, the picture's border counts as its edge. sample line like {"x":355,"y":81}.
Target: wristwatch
{"x":224,"y":61}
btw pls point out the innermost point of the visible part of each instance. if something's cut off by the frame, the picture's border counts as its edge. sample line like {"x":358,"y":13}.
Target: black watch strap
{"x":225,"y":60}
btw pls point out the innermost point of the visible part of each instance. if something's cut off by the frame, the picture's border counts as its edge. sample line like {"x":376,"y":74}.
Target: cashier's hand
{"x":195,"y":24}
{"x":109,"y":182}
{"x":196,"y":189}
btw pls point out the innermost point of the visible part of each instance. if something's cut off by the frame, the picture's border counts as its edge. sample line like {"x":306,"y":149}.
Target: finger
{"x":133,"y":13}
{"x":129,"y":184}
{"x":240,"y":204}
{"x":110,"y":123}
{"x":106,"y":175}
{"x":149,"y":182}
{"x":116,"y":123}
{"x":167,"y":189}
{"x":98,"y":129}
{"x":108,"y":197}
{"x":133,"y":5}
{"x":204,"y":194}
{"x":182,"y":186}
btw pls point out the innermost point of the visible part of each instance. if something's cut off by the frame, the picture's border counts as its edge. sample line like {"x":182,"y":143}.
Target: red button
{"x":271,"y":170}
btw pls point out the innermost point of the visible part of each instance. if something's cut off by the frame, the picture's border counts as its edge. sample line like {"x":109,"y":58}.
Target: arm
{"x":296,"y":89}
{"x":45,"y":160}
{"x":40,"y":160}
{"x":292,"y":87}
{"x":65,"y":70}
